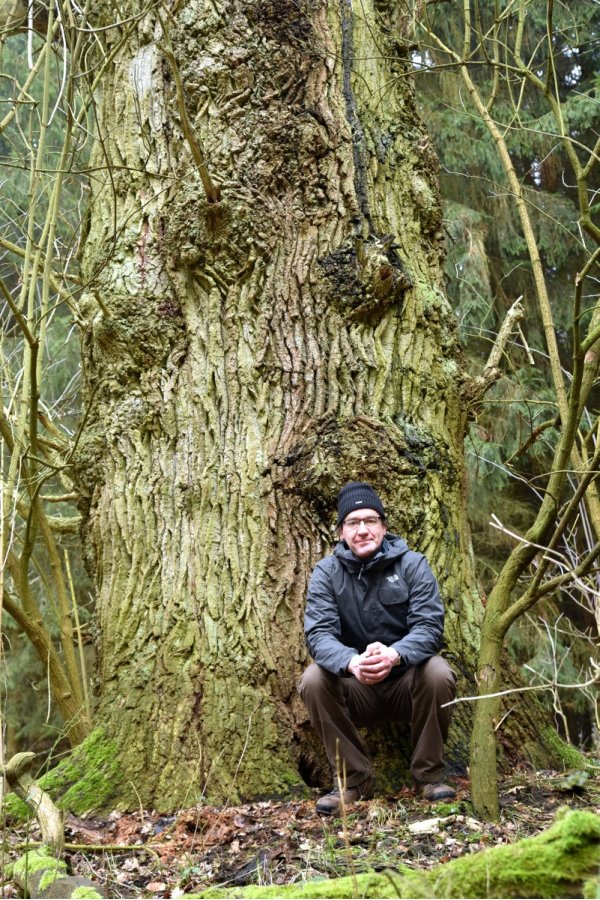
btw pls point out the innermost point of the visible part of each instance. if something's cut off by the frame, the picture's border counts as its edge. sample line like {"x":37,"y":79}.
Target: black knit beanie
{"x":357,"y":495}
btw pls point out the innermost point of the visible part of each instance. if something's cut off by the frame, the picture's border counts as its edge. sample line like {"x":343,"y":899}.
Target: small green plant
{"x":447,"y":809}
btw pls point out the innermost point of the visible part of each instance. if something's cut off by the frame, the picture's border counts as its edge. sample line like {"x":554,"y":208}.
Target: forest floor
{"x":275,"y":842}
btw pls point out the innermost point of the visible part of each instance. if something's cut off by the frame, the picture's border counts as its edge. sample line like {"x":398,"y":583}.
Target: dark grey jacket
{"x":392,"y":597}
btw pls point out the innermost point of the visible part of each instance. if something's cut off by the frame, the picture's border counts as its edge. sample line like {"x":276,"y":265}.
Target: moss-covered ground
{"x":282,"y":848}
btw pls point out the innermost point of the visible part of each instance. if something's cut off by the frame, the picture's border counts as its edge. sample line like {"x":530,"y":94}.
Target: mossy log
{"x":561,"y":862}
{"x":41,"y":874}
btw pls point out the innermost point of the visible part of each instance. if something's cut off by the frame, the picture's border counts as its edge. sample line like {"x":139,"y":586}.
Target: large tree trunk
{"x":252,"y":344}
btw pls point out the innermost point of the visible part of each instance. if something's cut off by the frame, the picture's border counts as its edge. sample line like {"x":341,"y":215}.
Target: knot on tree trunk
{"x":333,"y":450}
{"x":365,"y":278}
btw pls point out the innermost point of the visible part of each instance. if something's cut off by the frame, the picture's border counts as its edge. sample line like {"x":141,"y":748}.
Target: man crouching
{"x":374,"y":622}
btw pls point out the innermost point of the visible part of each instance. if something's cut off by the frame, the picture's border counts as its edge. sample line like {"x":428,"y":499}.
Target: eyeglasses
{"x":354,"y":524}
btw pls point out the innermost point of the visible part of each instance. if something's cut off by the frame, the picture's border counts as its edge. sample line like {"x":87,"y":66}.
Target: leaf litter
{"x":146,"y":854}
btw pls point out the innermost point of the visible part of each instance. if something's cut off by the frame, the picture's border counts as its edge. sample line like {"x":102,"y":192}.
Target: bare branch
{"x":593,"y":679}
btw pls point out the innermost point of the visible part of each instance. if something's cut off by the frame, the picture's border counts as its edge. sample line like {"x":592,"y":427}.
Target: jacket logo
{"x":392,"y":577}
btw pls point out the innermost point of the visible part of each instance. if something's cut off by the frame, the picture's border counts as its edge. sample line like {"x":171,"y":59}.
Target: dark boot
{"x":435,"y":791}
{"x":331,"y":804}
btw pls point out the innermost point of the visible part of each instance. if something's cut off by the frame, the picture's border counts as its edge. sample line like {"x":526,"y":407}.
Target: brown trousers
{"x":338,"y":707}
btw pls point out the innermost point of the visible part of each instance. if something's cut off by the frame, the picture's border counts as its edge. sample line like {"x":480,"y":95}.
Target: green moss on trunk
{"x":561,"y":751}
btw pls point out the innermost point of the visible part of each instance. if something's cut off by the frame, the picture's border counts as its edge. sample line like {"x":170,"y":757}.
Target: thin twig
{"x":212,"y":191}
{"x":530,"y":687}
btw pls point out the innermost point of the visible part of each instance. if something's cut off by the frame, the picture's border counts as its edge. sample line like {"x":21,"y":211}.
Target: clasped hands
{"x":374,"y":664}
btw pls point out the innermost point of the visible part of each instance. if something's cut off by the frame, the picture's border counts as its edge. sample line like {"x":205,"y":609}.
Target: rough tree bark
{"x":266,"y":319}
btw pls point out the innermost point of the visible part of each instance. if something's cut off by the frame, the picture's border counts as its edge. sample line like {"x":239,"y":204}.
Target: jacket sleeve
{"x":425,"y":613}
{"x":322,"y":624}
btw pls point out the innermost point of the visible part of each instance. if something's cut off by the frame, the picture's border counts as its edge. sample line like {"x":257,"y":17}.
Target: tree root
{"x":18,"y":775}
{"x":42,"y":872}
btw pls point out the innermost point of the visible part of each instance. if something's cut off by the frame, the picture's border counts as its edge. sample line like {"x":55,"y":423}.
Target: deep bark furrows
{"x":260,"y":352}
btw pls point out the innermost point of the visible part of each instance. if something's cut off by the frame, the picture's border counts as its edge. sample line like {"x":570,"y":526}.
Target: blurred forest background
{"x":509,"y":445}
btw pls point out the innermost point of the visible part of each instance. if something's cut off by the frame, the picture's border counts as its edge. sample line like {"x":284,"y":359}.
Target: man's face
{"x":363,"y":539}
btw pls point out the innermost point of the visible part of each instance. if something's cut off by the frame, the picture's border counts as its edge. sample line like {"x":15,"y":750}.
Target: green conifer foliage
{"x":508,"y":90}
